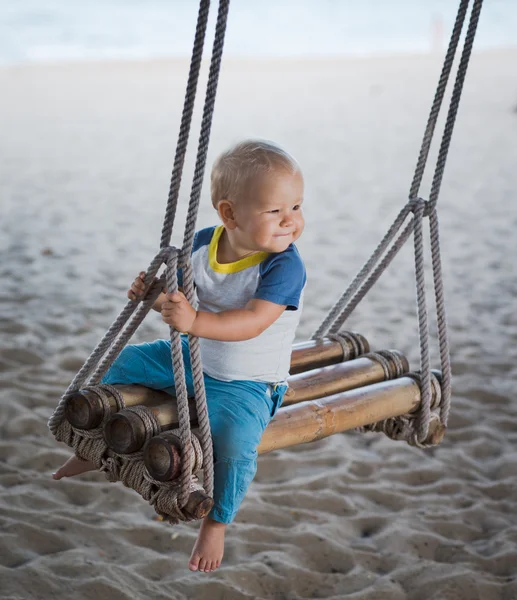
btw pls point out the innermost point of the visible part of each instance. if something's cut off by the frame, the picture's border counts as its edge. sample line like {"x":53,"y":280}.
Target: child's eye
{"x":275,"y":210}
{"x":296,"y":207}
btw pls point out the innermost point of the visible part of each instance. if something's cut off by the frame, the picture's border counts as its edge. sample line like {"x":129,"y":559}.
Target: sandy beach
{"x":86,"y":152}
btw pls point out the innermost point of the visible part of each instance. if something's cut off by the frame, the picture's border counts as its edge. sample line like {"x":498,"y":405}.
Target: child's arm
{"x":226,"y":326}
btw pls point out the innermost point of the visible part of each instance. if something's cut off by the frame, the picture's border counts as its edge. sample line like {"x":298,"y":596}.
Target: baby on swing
{"x":249,"y":280}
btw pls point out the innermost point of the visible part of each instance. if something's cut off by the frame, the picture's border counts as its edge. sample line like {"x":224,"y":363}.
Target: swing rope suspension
{"x":171,"y":499}
{"x":419,"y":208}
{"x":117,"y":336}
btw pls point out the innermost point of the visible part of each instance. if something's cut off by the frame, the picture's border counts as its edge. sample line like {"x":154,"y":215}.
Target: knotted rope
{"x":121,"y":330}
{"x":418,"y":209}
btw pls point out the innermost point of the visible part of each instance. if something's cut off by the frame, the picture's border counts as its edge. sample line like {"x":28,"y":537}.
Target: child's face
{"x":270,"y":217}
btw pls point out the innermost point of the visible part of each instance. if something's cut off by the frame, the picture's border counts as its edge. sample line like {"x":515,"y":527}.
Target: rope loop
{"x":436,"y":396}
{"x":353,"y":344}
{"x":171,"y":256}
{"x":415,"y":206}
{"x":151,"y":425}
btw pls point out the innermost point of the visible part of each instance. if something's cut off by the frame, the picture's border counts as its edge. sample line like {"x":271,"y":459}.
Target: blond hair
{"x":237,"y":168}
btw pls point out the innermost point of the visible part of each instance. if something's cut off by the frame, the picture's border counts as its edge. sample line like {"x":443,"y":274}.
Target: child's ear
{"x":226,"y":213}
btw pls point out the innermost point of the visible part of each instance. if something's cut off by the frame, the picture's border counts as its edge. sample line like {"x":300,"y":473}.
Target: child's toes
{"x":193,"y":563}
{"x":203,"y":565}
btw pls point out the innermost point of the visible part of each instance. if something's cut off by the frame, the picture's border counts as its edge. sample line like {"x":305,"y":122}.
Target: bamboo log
{"x":314,"y":420}
{"x":164,"y":454}
{"x":125,"y":432}
{"x":320,"y":353}
{"x":318,"y":419}
{"x":344,"y":376}
{"x":198,"y":505}
{"x":85,"y":410}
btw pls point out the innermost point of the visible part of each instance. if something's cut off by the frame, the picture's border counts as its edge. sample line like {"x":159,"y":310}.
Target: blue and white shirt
{"x":278,"y":278}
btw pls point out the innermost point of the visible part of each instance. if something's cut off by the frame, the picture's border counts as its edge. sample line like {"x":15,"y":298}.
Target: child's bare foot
{"x":209,"y":547}
{"x":73,"y":466}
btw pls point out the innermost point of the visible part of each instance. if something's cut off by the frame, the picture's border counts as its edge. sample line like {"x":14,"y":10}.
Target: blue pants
{"x":239,"y":411}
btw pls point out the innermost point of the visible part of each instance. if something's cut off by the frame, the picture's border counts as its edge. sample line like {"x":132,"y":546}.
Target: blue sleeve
{"x":202,"y":237}
{"x":282,"y":279}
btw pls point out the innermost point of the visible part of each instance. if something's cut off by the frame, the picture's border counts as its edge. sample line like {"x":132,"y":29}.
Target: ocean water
{"x":70,"y":30}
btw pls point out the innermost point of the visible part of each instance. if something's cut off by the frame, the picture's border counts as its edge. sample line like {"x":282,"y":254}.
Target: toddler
{"x":249,"y":280}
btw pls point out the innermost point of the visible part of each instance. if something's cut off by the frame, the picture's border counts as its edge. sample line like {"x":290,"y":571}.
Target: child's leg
{"x":147,"y":364}
{"x":239,"y":412}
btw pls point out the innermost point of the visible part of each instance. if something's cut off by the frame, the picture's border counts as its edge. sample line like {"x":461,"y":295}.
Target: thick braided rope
{"x":186,"y":119}
{"x":180,"y":385}
{"x":188,"y":282}
{"x":200,"y":394}
{"x":438,"y":99}
{"x":177,"y":357}
{"x":403,"y":427}
{"x":115,"y":393}
{"x":422,"y":425}
{"x":164,"y":497}
{"x":455,"y":101}
{"x":143,"y":310}
{"x":172,"y":284}
{"x":82,"y":375}
{"x":433,"y":221}
{"x":441,"y":318}
{"x":206,"y":126}
{"x":197,"y":460}
{"x":131,"y":471}
{"x":398,"y":367}
{"x":117,"y":326}
{"x":107,"y":341}
{"x":351,"y":303}
{"x":336,"y":311}
{"x":351,"y":344}
{"x":338,"y":307}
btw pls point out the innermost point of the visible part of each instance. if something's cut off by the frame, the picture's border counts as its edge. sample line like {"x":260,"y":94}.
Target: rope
{"x":186,"y":120}
{"x":106,"y":342}
{"x":403,"y":427}
{"x":352,"y":344}
{"x":197,"y":457}
{"x":181,"y":386}
{"x":172,"y":285}
{"x":128,"y":332}
{"x":438,"y":99}
{"x":188,"y":277}
{"x":433,"y":221}
{"x":370,"y":273}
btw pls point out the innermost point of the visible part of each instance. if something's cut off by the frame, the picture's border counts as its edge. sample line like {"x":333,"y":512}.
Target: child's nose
{"x":287,"y":220}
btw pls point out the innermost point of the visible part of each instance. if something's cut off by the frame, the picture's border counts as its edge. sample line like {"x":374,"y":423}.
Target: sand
{"x":85,"y":158}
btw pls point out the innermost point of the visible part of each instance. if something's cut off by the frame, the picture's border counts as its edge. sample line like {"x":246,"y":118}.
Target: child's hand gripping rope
{"x":178,"y":312}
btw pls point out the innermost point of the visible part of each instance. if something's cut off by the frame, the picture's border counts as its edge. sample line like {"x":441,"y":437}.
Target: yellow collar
{"x":233,"y":267}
